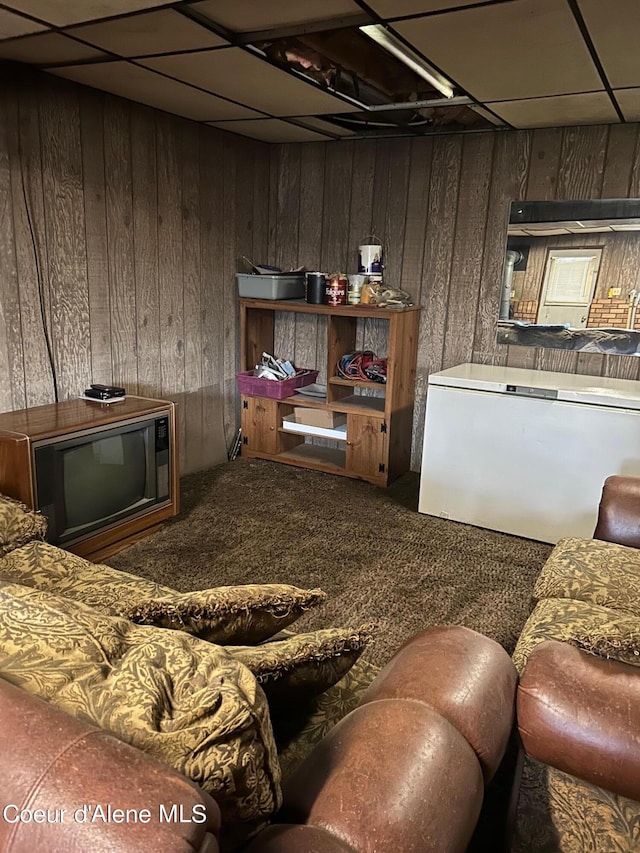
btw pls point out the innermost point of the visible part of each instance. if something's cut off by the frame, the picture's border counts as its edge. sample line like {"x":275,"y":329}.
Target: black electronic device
{"x":104,"y":392}
{"x":114,"y":390}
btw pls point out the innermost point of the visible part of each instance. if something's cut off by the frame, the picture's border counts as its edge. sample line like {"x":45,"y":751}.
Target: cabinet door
{"x":367,"y":448}
{"x":260,"y":424}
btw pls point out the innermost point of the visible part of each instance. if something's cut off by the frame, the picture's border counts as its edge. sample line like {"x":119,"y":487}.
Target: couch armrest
{"x":619,"y":511}
{"x":405,"y":770}
{"x":581,"y":714}
{"x":64,"y":767}
{"x":466,"y":677}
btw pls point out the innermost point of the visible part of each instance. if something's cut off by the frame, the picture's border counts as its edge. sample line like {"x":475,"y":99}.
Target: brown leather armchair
{"x":578,"y":718}
{"x":403,"y":773}
{"x":619,"y":511}
{"x":581,"y":713}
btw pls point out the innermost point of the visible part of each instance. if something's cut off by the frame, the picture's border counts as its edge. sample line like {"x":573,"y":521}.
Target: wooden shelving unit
{"x":378,"y":443}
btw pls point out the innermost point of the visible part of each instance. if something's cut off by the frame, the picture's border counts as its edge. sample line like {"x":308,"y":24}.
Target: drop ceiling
{"x":300,"y":70}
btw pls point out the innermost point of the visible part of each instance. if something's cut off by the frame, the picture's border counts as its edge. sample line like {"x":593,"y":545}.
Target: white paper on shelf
{"x":337,"y":433}
{"x":102,"y":402}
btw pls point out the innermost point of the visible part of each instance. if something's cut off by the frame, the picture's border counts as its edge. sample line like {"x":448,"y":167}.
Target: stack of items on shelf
{"x":366,"y":287}
{"x":363,"y":365}
{"x":274,"y":368}
{"x":274,"y":377}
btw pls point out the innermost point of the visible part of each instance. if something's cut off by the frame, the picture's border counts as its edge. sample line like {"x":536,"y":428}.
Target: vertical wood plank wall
{"x":131,"y":220}
{"x":440,"y":206}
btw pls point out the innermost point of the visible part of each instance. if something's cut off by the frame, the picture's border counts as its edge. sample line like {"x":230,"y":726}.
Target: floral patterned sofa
{"x":578,"y":704}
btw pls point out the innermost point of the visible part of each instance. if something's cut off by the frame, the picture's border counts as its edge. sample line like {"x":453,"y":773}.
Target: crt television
{"x":101,"y":476}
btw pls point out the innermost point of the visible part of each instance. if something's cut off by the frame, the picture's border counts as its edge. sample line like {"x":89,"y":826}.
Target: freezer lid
{"x":570,"y":387}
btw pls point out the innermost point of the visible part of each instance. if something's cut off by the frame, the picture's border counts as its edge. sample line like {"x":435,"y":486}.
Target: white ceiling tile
{"x":523,"y":49}
{"x":15,"y":25}
{"x":592,"y":108}
{"x":629,"y":102}
{"x":324,"y":126}
{"x":138,"y":84}
{"x":270,"y":130}
{"x":248,"y":15}
{"x":63,"y":13}
{"x":614,"y":27}
{"x":163,"y":31}
{"x":398,"y":8}
{"x":48,"y":49}
{"x":236,"y":74}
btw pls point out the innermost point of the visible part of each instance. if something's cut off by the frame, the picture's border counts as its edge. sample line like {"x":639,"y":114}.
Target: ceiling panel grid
{"x":523,"y":63}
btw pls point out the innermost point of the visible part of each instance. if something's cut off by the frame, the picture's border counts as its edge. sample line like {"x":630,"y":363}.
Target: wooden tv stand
{"x":377,"y":444}
{"x":20,"y":430}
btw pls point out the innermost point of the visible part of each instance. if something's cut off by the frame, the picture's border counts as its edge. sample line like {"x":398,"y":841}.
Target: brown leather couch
{"x":59,"y":777}
{"x":578,"y":714}
{"x":403,"y":773}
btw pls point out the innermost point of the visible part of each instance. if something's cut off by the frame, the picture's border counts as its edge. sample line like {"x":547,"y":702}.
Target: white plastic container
{"x":254,"y":286}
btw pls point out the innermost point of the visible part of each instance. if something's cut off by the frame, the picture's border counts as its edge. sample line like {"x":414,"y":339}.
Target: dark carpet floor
{"x":252,"y":521}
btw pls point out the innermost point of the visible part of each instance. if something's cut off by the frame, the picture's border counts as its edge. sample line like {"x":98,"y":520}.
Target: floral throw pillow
{"x":246,"y":614}
{"x":299,"y":667}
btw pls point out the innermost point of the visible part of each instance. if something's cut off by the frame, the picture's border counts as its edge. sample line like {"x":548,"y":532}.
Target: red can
{"x":336,"y":290}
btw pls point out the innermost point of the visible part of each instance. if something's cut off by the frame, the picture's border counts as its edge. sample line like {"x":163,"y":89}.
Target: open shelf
{"x":315,"y":456}
{"x":357,"y":383}
{"x":356,"y":404}
{"x":307,"y":402}
{"x":377,"y":447}
{"x":299,"y":306}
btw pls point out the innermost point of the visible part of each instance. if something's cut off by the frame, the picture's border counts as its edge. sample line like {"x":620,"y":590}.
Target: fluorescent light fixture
{"x":393,"y":45}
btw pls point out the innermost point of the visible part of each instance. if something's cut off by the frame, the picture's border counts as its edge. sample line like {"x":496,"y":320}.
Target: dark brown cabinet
{"x":376,"y":445}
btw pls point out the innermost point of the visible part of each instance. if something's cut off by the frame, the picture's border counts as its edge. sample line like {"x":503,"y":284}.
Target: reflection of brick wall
{"x":524,"y":309}
{"x":610,"y":312}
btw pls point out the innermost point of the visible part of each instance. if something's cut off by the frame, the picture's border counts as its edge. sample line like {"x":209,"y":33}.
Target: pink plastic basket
{"x":256,"y":386}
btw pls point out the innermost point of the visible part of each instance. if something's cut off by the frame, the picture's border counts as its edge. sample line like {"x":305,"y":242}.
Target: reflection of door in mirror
{"x":568,"y":285}
{"x":543,"y":304}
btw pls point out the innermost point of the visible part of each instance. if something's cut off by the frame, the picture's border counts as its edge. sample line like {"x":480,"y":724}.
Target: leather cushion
{"x":581,"y":714}
{"x":448,"y":668}
{"x":393,"y":775}
{"x":53,"y":762}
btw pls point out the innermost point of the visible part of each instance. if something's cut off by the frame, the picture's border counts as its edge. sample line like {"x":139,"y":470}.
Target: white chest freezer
{"x":525,"y":451}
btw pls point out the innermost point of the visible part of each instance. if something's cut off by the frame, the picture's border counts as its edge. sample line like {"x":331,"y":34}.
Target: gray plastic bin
{"x":256,"y":286}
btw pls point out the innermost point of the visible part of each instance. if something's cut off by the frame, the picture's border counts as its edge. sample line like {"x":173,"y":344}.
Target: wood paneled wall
{"x":440,"y":205}
{"x":125,"y":223}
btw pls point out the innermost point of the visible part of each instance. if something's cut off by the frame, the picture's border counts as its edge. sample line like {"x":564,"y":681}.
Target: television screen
{"x":103,"y":476}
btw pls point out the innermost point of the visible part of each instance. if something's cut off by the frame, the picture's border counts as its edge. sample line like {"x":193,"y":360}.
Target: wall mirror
{"x":571,"y":276}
